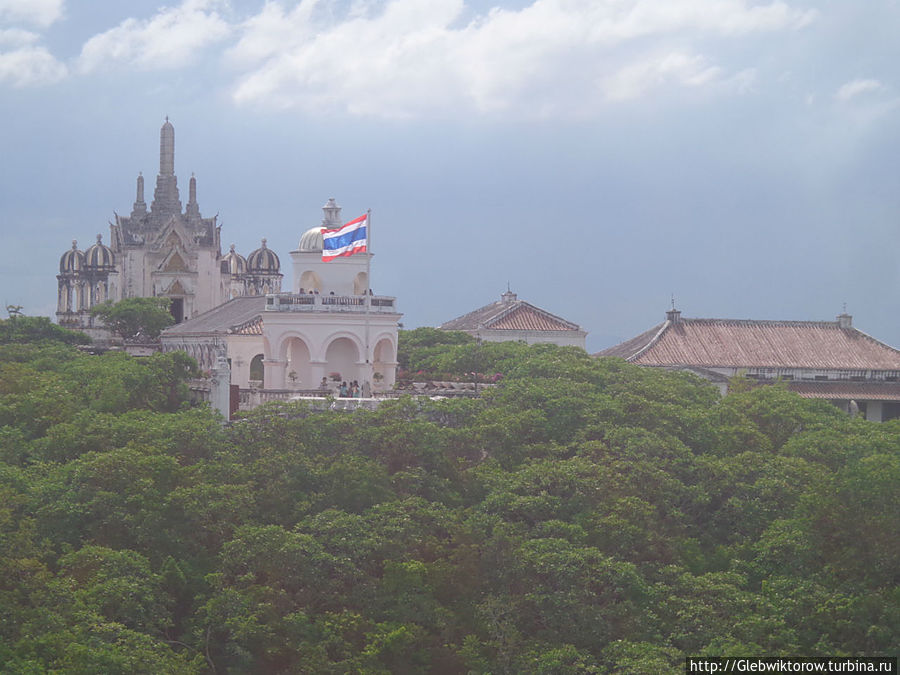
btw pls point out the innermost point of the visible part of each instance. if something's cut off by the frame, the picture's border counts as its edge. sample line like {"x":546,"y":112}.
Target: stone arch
{"x":68,"y":300}
{"x":384,"y":362}
{"x":360,"y":284}
{"x":257,"y":370}
{"x":342,"y":355}
{"x":310,"y":281}
{"x":295,"y":352}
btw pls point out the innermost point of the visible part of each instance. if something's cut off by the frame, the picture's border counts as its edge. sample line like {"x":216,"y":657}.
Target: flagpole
{"x":368,"y":289}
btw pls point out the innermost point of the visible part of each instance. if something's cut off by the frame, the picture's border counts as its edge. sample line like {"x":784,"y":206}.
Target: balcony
{"x":294,"y":302}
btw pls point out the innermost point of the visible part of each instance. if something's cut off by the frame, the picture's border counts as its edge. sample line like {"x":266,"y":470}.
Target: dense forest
{"x":580,"y":516}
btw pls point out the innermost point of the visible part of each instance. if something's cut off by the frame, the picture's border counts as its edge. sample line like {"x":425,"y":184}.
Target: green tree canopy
{"x":582,"y":516}
{"x":19,"y":329}
{"x":132,"y":317}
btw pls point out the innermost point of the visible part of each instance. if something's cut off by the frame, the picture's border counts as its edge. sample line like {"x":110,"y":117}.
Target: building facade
{"x":332,"y":327}
{"x":511,"y":319}
{"x":830,"y":360}
{"x":164,"y":250}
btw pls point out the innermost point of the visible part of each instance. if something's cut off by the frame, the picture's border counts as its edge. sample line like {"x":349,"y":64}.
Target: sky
{"x":598,"y":157}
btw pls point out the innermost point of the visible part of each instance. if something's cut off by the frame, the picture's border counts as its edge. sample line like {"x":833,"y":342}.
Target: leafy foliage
{"x":20,"y":329}
{"x":132,"y":317}
{"x":582,"y":516}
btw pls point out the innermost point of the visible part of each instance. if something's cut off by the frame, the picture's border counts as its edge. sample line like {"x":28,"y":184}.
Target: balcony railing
{"x":298,"y":302}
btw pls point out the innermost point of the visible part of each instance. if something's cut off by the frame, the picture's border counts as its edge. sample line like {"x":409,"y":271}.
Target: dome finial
{"x":99,"y":238}
{"x":74,"y":244}
{"x":232,"y":247}
{"x":264,"y":242}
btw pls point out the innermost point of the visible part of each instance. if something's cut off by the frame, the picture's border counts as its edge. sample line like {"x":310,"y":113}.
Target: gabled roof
{"x":509,"y":313}
{"x":711,"y":343}
{"x":240,"y":315}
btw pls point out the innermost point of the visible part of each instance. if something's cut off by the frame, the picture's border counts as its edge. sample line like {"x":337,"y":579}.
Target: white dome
{"x":311,"y":241}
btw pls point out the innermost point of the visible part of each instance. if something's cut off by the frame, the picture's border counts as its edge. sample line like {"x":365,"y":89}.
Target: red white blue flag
{"x":345,"y":240}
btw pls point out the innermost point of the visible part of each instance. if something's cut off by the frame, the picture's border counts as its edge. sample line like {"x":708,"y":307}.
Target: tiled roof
{"x":714,"y":343}
{"x":848,"y":390}
{"x":252,"y":327}
{"x":238,"y":316}
{"x":510,"y":315}
{"x":626,"y":350}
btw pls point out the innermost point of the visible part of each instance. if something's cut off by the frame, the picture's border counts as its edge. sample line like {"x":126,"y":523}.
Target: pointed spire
{"x":192,"y":210}
{"x":140,"y":206}
{"x":167,"y":149}
{"x":166,"y":201}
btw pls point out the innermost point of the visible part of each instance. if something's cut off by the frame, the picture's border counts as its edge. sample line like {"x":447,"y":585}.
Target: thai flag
{"x":345,"y":240}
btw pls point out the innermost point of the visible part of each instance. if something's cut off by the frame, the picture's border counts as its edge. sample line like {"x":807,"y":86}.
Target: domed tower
{"x":234,"y":273}
{"x":341,"y":276}
{"x":70,"y":283}
{"x":263,"y":271}
{"x":100,"y":273}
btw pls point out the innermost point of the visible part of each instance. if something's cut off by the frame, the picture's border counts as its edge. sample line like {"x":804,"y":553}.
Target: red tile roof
{"x":712,"y":343}
{"x":510,"y":315}
{"x":527,"y":317}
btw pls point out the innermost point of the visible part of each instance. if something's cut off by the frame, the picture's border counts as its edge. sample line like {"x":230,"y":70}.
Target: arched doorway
{"x":297,"y":371}
{"x":360,"y":284}
{"x":257,"y":371}
{"x":384,"y":364}
{"x":310,"y":281}
{"x":342,"y":357}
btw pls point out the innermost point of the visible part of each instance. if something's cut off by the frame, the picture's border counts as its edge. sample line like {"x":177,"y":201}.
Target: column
{"x":273,"y":370}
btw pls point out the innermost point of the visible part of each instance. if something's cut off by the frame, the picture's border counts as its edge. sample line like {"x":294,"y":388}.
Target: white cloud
{"x":16,"y":37}
{"x":856,"y":88}
{"x":39,"y":12}
{"x":30,"y":66}
{"x":408,"y":56}
{"x":167,"y":40}
{"x":679,"y":68}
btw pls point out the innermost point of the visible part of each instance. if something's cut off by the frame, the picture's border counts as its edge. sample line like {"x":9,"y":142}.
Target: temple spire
{"x":166,"y":201}
{"x":167,"y":149}
{"x":192,"y":210}
{"x":140,"y":206}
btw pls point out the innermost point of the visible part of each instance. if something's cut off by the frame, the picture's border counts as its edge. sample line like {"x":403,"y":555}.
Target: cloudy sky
{"x":599,"y":156}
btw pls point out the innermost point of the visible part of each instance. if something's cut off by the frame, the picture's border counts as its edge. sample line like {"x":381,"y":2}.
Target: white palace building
{"x":329,"y":326}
